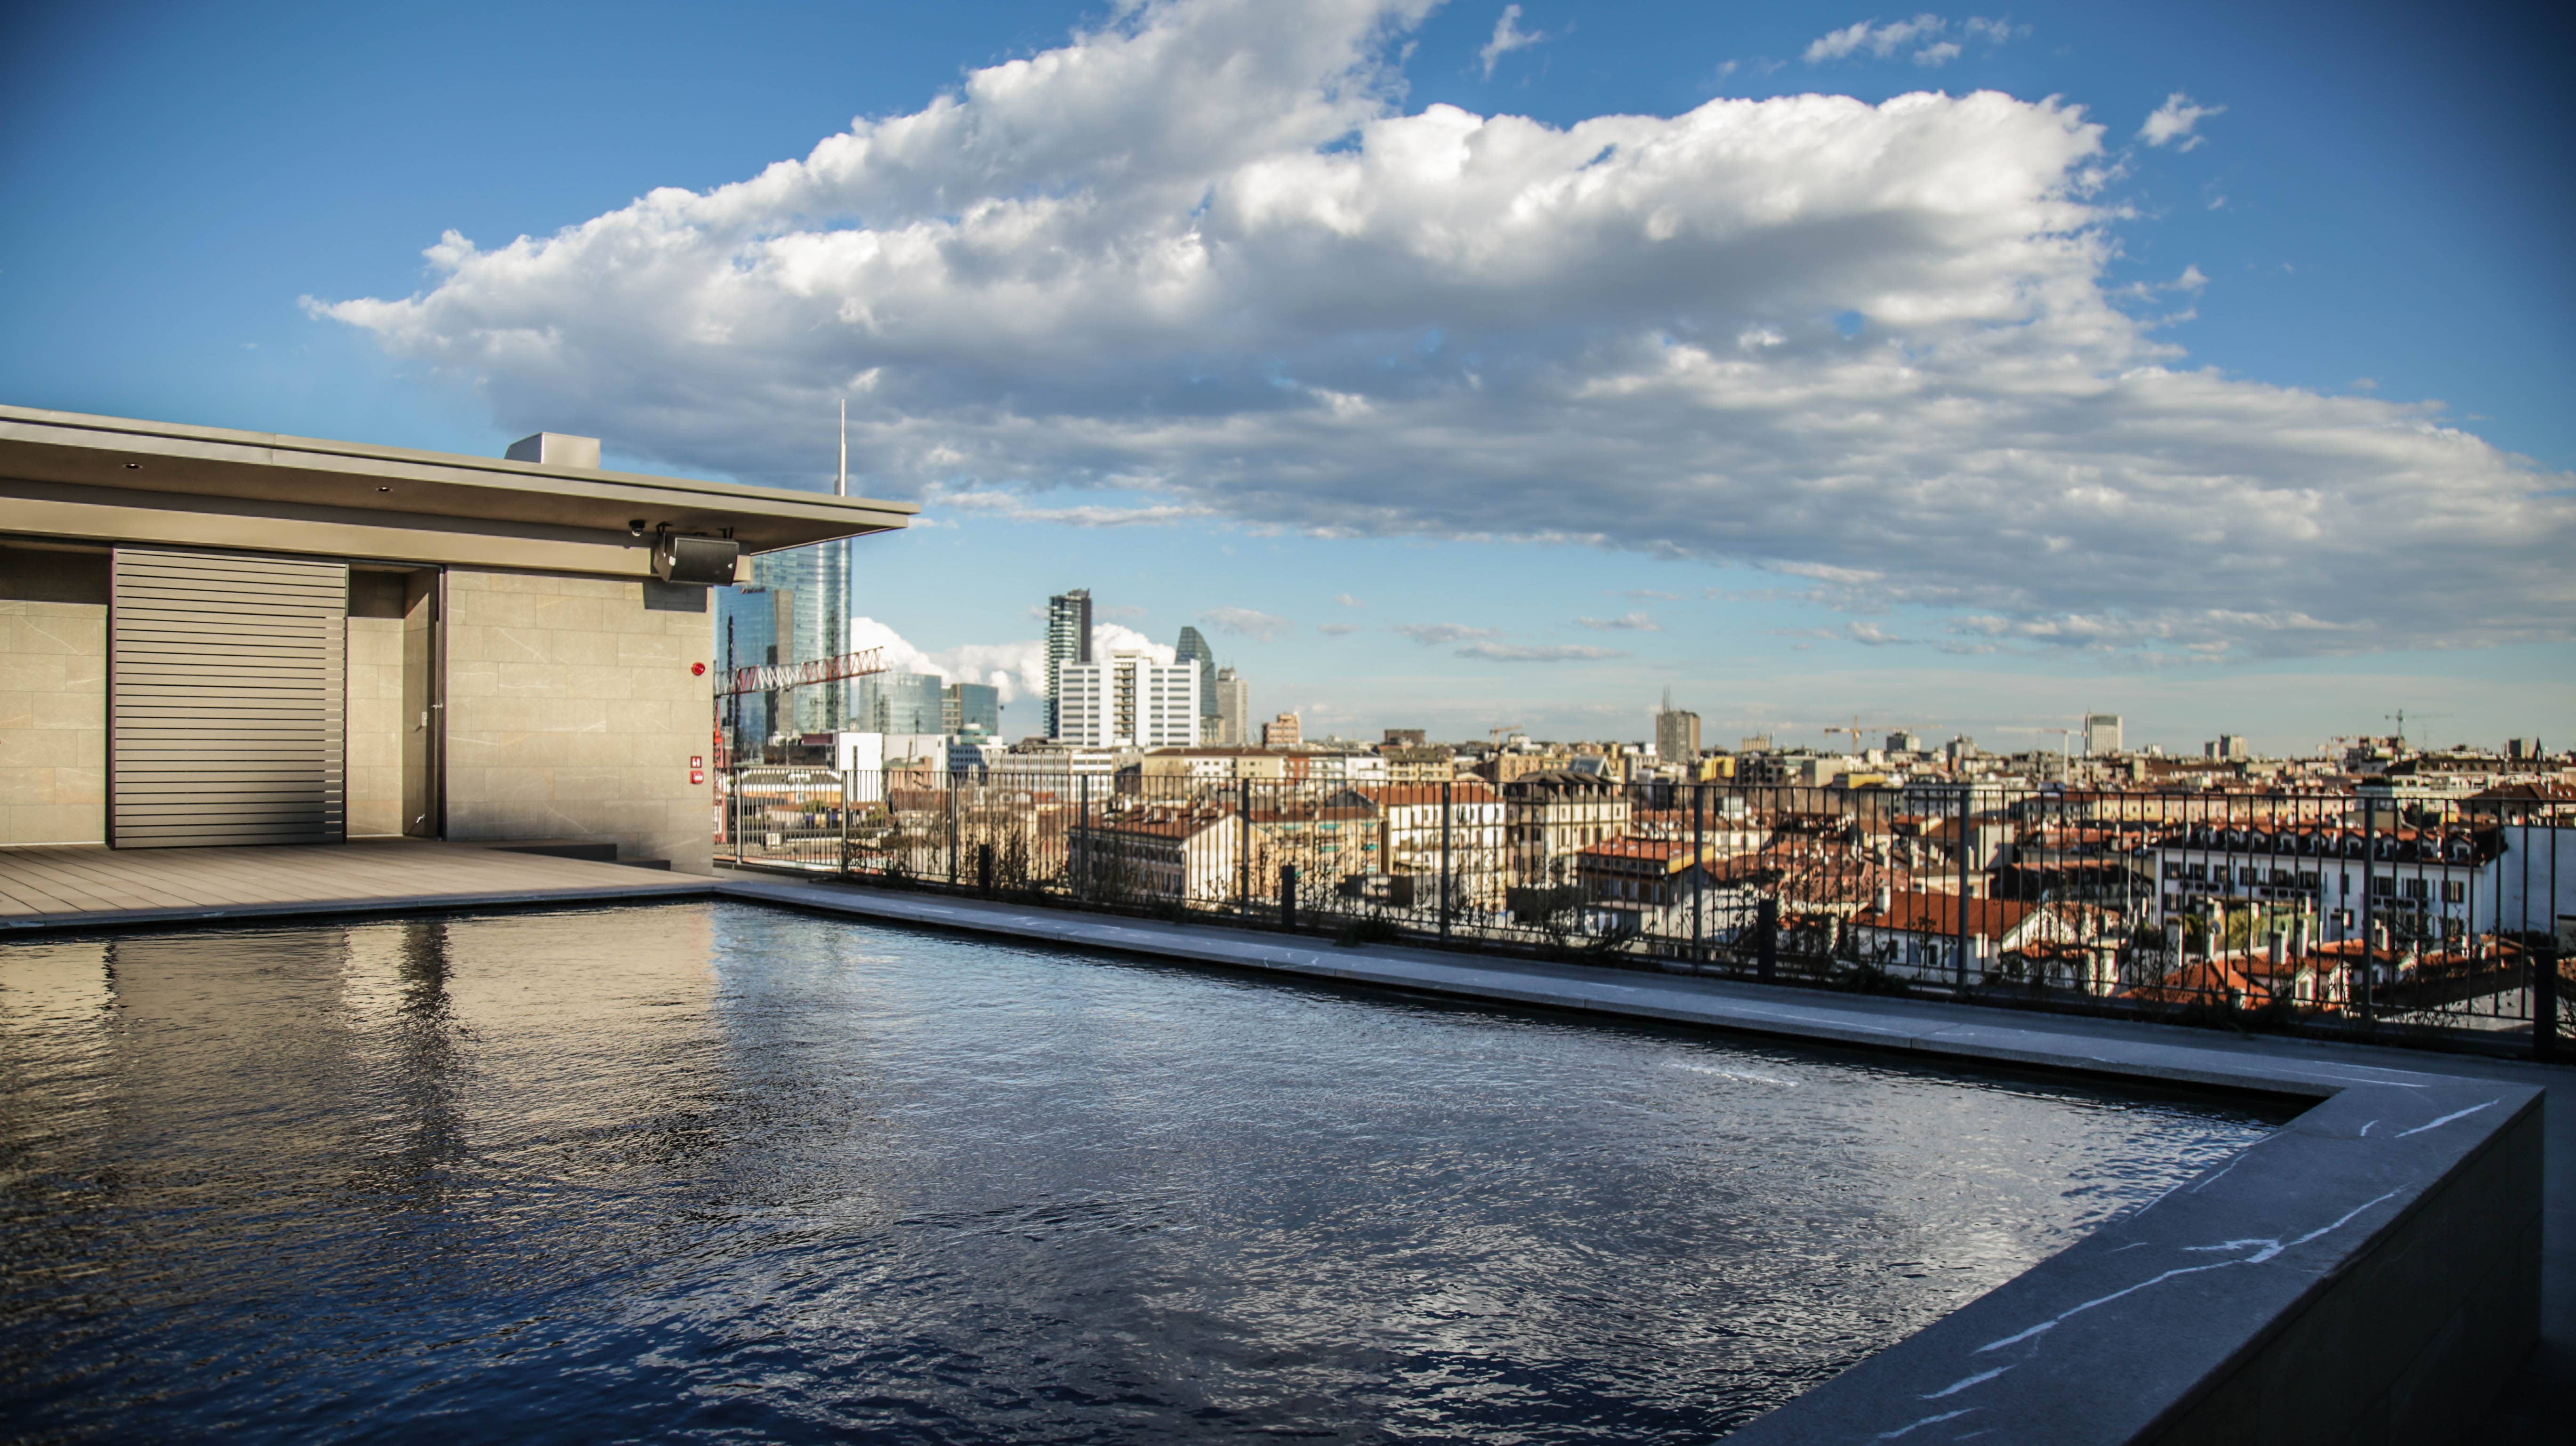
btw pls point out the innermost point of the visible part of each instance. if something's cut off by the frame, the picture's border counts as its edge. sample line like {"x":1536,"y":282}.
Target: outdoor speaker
{"x":706,"y":560}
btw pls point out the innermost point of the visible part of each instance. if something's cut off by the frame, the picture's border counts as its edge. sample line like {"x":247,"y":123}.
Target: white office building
{"x":1128,"y":700}
{"x":2102,"y":735}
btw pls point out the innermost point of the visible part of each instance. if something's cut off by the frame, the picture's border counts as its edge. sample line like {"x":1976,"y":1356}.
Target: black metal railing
{"x":2445,"y":921}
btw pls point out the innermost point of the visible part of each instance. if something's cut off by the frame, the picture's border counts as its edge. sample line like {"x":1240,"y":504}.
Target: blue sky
{"x":1956,"y":416}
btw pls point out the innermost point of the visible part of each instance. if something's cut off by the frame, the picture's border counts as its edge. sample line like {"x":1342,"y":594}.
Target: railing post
{"x":843,"y":863}
{"x":1966,"y":793}
{"x":1287,"y":896}
{"x":1699,"y":873}
{"x":2369,"y":909}
{"x":1445,"y":793}
{"x":952,"y":831}
{"x":1243,"y":847}
{"x":1078,"y":857}
{"x":1766,"y":939}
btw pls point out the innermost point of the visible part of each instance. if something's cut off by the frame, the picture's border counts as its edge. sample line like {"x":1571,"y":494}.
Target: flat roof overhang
{"x":108,"y":479}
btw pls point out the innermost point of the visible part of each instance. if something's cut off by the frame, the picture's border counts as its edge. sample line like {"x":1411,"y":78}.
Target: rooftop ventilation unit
{"x":556,"y":449}
{"x":708,"y":560}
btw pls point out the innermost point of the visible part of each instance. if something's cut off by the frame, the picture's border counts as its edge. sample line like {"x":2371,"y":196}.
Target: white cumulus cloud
{"x":1508,"y":37}
{"x":1202,"y":263}
{"x":2174,"y":121}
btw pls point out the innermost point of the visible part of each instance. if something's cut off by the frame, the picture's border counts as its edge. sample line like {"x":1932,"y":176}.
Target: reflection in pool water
{"x":709,"y":1171}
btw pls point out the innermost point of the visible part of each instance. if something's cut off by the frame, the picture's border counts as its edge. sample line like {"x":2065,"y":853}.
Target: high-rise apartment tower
{"x":1068,"y":642}
{"x":1233,"y":709}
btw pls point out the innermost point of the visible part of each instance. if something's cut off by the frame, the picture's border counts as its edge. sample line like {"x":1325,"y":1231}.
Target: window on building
{"x":2308,"y":882}
{"x":2417,"y":888}
{"x":2455,"y":891}
{"x":2382,"y":886}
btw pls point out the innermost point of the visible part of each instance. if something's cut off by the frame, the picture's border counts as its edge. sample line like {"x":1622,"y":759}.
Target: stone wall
{"x":572,"y":714}
{"x":53,"y":722}
{"x":375,"y":723}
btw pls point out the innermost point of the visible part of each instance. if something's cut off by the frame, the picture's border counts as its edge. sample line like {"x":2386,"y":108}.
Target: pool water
{"x":711,"y":1172}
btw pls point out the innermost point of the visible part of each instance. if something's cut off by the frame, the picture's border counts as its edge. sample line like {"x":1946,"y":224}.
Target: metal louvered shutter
{"x":226,"y":699}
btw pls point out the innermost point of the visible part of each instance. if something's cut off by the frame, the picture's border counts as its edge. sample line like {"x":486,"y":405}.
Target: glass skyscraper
{"x":818,"y":577}
{"x":1068,"y":642}
{"x":1193,"y":648}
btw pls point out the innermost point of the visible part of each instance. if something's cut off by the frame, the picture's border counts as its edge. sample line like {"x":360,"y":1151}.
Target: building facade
{"x":1233,"y":709}
{"x":1193,"y":649}
{"x":814,"y":583}
{"x":897,"y":703}
{"x":1677,"y":735}
{"x":1068,"y":643}
{"x":244,"y":638}
{"x":1283,"y":731}
{"x":1128,"y":700}
{"x":971,"y":710}
{"x":2102,"y":735}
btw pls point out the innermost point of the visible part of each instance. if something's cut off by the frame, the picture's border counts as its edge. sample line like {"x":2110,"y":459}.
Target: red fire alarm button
{"x":697,"y":775}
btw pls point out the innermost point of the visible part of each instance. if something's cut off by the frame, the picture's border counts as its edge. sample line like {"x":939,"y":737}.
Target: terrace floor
{"x":89,"y":887}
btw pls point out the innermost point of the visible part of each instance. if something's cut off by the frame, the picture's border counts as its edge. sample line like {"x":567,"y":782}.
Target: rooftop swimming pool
{"x":711,"y":1171}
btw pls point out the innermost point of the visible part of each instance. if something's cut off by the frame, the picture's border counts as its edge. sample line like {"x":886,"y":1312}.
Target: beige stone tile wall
{"x":572,"y":713}
{"x":375,"y":724}
{"x":53,"y":722}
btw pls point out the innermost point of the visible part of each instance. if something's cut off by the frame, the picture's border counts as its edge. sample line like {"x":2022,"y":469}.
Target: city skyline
{"x":1431,"y":473}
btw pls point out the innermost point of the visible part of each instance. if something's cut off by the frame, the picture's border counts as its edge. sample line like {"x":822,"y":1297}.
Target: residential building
{"x":1904,"y":742}
{"x":1676,"y":734}
{"x":2413,"y":883}
{"x":2226,"y":747}
{"x":1420,"y":763}
{"x":971,"y":709}
{"x":1917,"y":935}
{"x":1128,"y":700}
{"x":2102,"y":735}
{"x":1169,"y":772}
{"x":1187,"y":853}
{"x":1406,"y":738}
{"x":1233,"y":709}
{"x":1426,"y":831}
{"x":447,"y":647}
{"x":1193,"y":649}
{"x":1068,"y":642}
{"x":1280,"y":732}
{"x":1551,"y":817}
{"x":1050,"y":767}
{"x":1636,"y":875}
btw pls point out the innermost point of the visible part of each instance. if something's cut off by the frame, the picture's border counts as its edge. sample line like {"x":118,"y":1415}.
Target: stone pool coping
{"x":2371,"y":1271}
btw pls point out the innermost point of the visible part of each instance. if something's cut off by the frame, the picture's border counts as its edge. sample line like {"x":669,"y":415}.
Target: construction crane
{"x":1496,"y":734}
{"x":1853,"y":731}
{"x":2400,"y":718}
{"x":777,"y":677}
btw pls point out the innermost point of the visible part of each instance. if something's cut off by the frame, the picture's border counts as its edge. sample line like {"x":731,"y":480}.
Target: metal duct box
{"x":556,"y":449}
{"x":708,"y":560}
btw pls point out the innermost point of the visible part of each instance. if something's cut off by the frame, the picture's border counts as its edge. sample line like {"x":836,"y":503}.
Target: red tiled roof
{"x":1938,"y":914}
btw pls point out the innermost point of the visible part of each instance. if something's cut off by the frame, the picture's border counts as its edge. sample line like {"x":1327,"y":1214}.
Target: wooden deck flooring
{"x":71,"y":887}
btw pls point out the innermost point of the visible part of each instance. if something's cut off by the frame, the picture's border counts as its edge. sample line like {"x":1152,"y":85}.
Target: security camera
{"x":635,"y":527}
